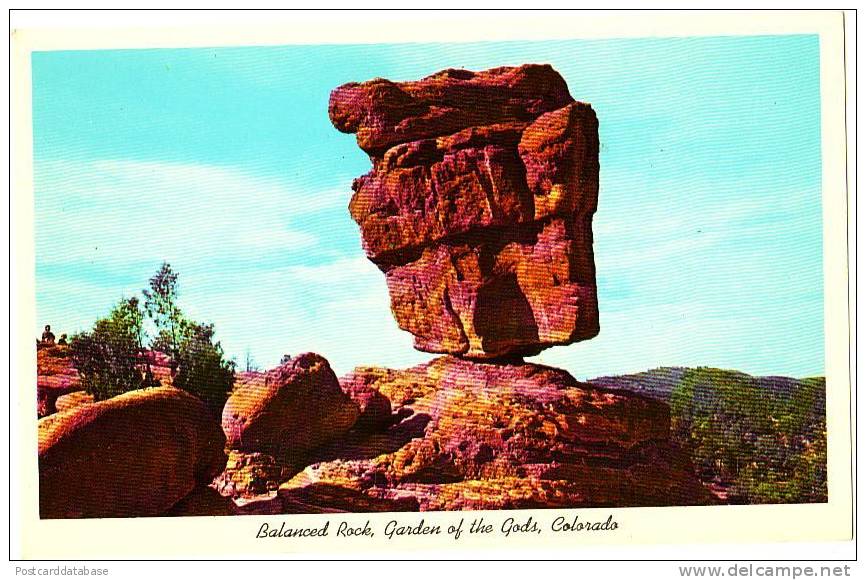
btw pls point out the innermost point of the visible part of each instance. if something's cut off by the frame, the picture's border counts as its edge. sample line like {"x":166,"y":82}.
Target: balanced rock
{"x":504,"y":436}
{"x":136,"y":454}
{"x":288,"y":411}
{"x":479,"y":206}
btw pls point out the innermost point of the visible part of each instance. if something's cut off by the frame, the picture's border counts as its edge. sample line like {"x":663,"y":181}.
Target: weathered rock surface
{"x":288,"y":411}
{"x":503,"y":436}
{"x":136,"y":454}
{"x":385,"y":113}
{"x":248,"y":474}
{"x":252,"y":473}
{"x":479,"y":206}
{"x":55,"y":377}
{"x":72,"y":400}
{"x":375,"y":407}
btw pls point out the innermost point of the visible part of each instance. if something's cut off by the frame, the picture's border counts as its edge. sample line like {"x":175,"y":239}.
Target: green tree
{"x":763,"y":437}
{"x":160,"y":303}
{"x":201,"y":366}
{"x":198,"y":362}
{"x":110,"y":358}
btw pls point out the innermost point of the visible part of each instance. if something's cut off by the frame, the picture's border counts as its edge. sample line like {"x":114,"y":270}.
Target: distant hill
{"x":660,"y":382}
{"x":752,"y":439}
{"x":656,"y":383}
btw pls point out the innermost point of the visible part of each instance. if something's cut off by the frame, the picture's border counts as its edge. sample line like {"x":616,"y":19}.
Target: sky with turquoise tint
{"x":708,"y":236}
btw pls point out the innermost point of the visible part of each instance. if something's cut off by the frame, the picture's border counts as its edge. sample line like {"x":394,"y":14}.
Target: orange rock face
{"x":496,"y":436}
{"x":479,"y":206}
{"x":72,"y":400}
{"x":133,"y":455}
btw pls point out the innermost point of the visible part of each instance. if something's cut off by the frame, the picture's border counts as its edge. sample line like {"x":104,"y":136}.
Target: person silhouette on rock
{"x":48,"y":336}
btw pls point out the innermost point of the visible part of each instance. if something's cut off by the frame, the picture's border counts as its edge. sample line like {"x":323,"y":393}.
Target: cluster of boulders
{"x":478,"y":210}
{"x":274,"y":420}
{"x":498,"y":436}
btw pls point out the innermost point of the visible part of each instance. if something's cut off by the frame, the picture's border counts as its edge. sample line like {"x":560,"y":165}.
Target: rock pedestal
{"x":478,"y":208}
{"x":485,"y":436}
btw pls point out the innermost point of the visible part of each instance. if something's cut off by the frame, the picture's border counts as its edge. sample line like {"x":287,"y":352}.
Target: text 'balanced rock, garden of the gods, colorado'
{"x":479,"y":206}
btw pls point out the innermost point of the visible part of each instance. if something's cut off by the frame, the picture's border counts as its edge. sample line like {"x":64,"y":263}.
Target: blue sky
{"x":223,"y":162}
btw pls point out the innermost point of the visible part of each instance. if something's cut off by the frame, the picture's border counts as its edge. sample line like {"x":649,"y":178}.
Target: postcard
{"x":439,"y":283}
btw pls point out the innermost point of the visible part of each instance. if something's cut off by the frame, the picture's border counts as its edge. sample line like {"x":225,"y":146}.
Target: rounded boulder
{"x":133,"y":455}
{"x":289,"y":411}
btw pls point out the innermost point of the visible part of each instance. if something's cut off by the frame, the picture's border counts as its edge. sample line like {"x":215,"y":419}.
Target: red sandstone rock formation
{"x":73,"y":400}
{"x":55,"y":377}
{"x":133,"y":455}
{"x":478,"y":210}
{"x":479,"y":206}
{"x":495,"y":436}
{"x":289,"y":410}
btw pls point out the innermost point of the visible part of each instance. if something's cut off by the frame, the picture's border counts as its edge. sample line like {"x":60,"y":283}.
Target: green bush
{"x":112,"y":357}
{"x":201,"y":367}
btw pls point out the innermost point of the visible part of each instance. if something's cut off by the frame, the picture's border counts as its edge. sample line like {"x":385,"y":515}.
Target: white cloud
{"x":122,"y":211}
{"x":338,"y":271}
{"x":103,"y":226}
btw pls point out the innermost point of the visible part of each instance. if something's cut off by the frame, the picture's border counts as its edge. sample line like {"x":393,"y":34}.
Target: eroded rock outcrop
{"x":497,"y":436}
{"x":72,"y":400}
{"x":137,"y":454}
{"x":479,"y":206}
{"x":57,"y":377}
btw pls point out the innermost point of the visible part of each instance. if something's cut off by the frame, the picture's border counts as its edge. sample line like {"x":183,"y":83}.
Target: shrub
{"x":110,"y":357}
